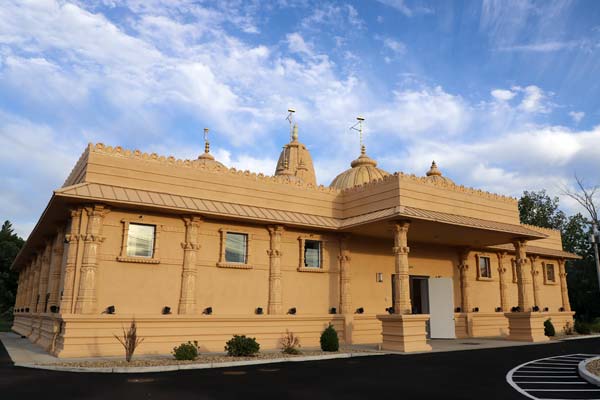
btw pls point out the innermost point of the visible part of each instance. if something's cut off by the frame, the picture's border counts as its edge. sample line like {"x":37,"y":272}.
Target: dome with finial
{"x":435,"y":175}
{"x":296,"y":162}
{"x":364,"y":169}
{"x":206,"y":159}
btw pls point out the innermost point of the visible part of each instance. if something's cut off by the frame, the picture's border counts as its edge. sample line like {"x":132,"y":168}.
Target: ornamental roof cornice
{"x":119,"y":151}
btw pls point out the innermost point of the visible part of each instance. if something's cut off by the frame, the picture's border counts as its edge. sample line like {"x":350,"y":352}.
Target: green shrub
{"x":242,"y":346}
{"x":595,"y":325}
{"x":186,"y":351}
{"x":329,"y":339}
{"x":582,"y":328}
{"x":568,"y":328}
{"x":549,"y":328}
{"x":289,"y":343}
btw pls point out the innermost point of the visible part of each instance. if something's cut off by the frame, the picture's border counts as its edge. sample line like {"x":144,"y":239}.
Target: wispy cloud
{"x":407,"y":10}
{"x":544,"y":47}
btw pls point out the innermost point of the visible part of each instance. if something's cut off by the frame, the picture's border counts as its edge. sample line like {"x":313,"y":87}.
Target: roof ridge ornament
{"x":434,"y":170}
{"x":206,"y":155}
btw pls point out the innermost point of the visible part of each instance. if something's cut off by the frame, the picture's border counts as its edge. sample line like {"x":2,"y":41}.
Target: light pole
{"x":595,"y":239}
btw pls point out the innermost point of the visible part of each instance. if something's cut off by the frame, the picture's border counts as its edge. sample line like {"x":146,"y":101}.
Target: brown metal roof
{"x":538,"y":250}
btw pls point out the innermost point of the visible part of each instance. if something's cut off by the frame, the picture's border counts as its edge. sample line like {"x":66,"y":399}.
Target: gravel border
{"x":587,"y":374}
{"x":73,"y":367}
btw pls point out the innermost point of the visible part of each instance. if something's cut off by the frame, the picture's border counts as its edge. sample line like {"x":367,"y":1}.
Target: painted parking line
{"x":553,"y":378}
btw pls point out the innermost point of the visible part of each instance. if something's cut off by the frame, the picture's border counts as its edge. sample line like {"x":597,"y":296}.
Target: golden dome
{"x":434,"y":174}
{"x":295,"y":161}
{"x":364,"y":169}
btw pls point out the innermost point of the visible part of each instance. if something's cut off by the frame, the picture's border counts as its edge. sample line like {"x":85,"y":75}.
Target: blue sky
{"x":503,"y":95}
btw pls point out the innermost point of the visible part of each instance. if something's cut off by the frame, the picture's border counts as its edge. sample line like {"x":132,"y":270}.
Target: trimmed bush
{"x":242,"y":346}
{"x":582,"y":328}
{"x":549,"y":328}
{"x":289,"y":343}
{"x":329,"y":339}
{"x":186,"y":351}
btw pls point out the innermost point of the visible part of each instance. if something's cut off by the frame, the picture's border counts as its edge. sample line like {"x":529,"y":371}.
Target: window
{"x":485,"y":269}
{"x":236,"y":248}
{"x":550,"y":273}
{"x":140,"y":240}
{"x":312,"y":254}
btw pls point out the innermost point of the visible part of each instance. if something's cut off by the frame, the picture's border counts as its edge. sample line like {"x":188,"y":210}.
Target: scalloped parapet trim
{"x":446,"y":184}
{"x":540,"y":229}
{"x":77,"y":167}
{"x":118,"y":151}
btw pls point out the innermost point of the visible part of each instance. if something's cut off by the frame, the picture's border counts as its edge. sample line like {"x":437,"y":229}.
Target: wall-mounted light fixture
{"x":535,"y":308}
{"x":561,"y":309}
{"x":457,"y":309}
{"x":515,"y":309}
{"x":379,"y":277}
{"x":259,"y":311}
{"x":475,"y":309}
{"x":207,"y":311}
{"x":166,"y":310}
{"x":546,"y":309}
{"x":333,"y":310}
{"x":53,"y":309}
{"x":360,"y":310}
{"x":292,"y":311}
{"x":498,"y":309}
{"x":390,"y":310}
{"x":110,"y":310}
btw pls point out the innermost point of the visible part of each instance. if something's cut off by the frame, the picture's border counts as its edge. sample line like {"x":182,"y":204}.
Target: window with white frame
{"x":485,"y":268}
{"x":236,"y":248}
{"x":140,"y":240}
{"x":312,"y":254}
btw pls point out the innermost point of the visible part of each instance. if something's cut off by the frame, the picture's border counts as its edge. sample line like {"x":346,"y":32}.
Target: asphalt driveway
{"x":473,"y":374}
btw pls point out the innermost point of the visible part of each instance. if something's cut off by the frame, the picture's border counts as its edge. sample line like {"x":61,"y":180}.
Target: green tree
{"x":10,"y":244}
{"x":539,"y":209}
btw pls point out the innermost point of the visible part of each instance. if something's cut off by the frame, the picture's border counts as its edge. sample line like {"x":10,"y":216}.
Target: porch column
{"x":402,"y":303}
{"x":345,"y":277}
{"x":55,"y":267}
{"x":86,"y":297}
{"x":43,"y":281}
{"x":524,"y":284}
{"x":503,"y":281}
{"x":187,"y":297}
{"x":275,"y":305}
{"x":465,"y":290}
{"x":72,"y":238}
{"x":28,"y":285}
{"x":535,"y":272}
{"x":564,"y":292}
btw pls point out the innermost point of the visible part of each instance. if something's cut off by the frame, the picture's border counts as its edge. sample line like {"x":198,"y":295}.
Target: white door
{"x":441,"y":308}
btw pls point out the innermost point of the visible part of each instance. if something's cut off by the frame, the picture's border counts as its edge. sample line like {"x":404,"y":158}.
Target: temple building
{"x":194,"y":250}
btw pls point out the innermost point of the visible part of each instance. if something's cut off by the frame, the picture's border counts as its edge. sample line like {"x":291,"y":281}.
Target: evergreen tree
{"x":10,"y":244}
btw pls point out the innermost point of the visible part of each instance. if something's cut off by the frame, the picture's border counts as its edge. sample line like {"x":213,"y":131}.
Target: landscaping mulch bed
{"x":146,"y":361}
{"x":594,"y":367}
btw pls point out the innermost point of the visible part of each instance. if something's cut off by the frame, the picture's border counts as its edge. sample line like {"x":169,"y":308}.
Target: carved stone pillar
{"x":72,"y":238}
{"x":465,"y":289}
{"x":86,"y":297}
{"x":187,"y":297}
{"x":29,"y":285}
{"x":535,"y":272}
{"x":502,"y":262}
{"x":564,"y":292}
{"x":55,"y":267}
{"x":43,"y":280}
{"x":345,"y":277}
{"x":275,"y":305}
{"x":524,"y":284}
{"x":402,"y":303}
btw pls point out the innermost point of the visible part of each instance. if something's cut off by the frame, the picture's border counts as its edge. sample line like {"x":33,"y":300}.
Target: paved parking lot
{"x":472,"y":374}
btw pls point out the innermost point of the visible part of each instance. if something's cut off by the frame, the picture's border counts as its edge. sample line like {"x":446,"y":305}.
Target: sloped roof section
{"x":539,"y":250}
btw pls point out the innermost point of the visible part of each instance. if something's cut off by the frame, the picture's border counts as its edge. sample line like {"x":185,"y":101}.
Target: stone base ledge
{"x":526,"y":326}
{"x":404,"y":333}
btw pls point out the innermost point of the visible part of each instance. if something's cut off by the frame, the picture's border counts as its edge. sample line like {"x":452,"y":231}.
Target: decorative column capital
{"x":501,"y":256}
{"x":192,"y":220}
{"x":190,"y":246}
{"x":463,"y":267}
{"x":275,"y":229}
{"x":274,"y":253}
{"x":400,"y":226}
{"x":401,"y":249}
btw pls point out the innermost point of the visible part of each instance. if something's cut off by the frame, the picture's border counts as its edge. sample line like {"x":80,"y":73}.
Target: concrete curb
{"x":587,"y":375}
{"x":166,"y":368}
{"x":582,"y":337}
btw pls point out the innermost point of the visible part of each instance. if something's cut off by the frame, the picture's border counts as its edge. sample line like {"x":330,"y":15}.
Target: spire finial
{"x":295,"y":133}
{"x":359,"y":128}
{"x":206,"y":142}
{"x":290,"y":118}
{"x":434,"y":170}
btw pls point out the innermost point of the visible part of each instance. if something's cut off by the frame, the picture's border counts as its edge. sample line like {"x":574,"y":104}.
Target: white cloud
{"x":534,"y":99}
{"x":408,"y":11}
{"x":577,"y":116}
{"x":396,"y":46}
{"x":503,"y":94}
{"x":544,"y":47}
